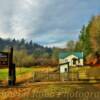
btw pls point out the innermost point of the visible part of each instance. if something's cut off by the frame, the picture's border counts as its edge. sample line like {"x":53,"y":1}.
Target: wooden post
{"x":12,"y":72}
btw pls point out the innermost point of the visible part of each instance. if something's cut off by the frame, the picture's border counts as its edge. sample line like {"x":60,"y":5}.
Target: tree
{"x":89,"y":39}
{"x":94,"y":33}
{"x":55,"y":56}
{"x":71,"y":45}
{"x":22,"y":58}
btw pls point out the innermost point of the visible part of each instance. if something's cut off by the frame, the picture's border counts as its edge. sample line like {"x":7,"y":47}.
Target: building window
{"x":74,"y":61}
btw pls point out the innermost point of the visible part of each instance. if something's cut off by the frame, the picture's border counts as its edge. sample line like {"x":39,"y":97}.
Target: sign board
{"x":4,"y":61}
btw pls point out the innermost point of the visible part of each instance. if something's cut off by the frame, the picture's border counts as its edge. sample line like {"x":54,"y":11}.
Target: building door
{"x":66,"y":70}
{"x":74,"y":61}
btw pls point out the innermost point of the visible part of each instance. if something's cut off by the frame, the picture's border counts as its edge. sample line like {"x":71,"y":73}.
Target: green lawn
{"x":23,"y":70}
{"x":19,"y":71}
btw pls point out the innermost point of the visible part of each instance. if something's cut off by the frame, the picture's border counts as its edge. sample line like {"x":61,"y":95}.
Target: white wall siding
{"x":69,"y":59}
{"x":81,"y":62}
{"x":63,"y":67}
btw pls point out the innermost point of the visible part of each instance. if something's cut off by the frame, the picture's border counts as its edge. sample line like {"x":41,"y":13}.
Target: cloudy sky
{"x":47,"y":22}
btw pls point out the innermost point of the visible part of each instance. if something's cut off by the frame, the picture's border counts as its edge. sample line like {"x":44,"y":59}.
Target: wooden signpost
{"x":6,"y":60}
{"x":12,"y":73}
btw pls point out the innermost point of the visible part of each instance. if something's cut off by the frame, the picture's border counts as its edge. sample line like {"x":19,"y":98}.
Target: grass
{"x":86,"y":72}
{"x":52,"y":92}
{"x":80,"y":69}
{"x":44,"y":69}
{"x":4,"y":72}
{"x":23,"y":70}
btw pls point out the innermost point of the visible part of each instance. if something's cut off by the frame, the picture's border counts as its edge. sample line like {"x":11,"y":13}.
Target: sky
{"x":46,"y":22}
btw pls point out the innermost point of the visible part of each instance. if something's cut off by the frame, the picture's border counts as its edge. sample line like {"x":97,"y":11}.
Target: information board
{"x":4,"y":61}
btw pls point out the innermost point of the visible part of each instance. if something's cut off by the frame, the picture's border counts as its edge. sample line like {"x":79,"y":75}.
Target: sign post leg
{"x":12,"y":72}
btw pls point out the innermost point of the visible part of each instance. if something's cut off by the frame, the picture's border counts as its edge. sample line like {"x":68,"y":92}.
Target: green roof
{"x":63,"y":55}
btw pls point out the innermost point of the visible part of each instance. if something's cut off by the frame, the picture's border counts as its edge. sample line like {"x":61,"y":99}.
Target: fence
{"x":71,"y":76}
{"x":40,"y":76}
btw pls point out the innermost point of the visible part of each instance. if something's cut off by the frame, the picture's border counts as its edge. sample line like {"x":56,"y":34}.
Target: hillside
{"x":29,"y":53}
{"x":22,"y":44}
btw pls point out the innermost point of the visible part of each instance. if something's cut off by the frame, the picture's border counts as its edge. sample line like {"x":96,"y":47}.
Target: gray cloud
{"x":48,"y":22}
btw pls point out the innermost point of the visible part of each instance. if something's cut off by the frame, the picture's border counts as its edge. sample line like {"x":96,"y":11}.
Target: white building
{"x":64,"y":67}
{"x":67,"y":59}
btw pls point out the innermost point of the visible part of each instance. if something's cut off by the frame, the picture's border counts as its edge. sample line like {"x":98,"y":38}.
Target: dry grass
{"x":48,"y":91}
{"x":23,"y":74}
{"x":44,"y":69}
{"x":52,"y":92}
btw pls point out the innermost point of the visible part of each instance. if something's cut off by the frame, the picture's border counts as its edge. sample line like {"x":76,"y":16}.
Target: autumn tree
{"x":94,"y":33}
{"x":89,"y":39}
{"x":22,"y":58}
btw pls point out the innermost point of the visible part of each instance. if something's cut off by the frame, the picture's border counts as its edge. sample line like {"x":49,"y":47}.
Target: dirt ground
{"x":51,"y":91}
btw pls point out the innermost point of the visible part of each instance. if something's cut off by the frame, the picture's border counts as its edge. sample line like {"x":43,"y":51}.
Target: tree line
{"x":89,"y":41}
{"x":29,"y":54}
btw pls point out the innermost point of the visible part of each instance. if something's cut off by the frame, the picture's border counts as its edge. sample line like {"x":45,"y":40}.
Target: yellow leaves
{"x":94,"y":32}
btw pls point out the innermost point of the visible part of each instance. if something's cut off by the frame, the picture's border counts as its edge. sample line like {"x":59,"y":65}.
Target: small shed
{"x":64,"y":67}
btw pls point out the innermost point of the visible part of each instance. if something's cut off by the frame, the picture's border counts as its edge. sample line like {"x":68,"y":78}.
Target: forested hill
{"x":29,"y":53}
{"x":22,"y":44}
